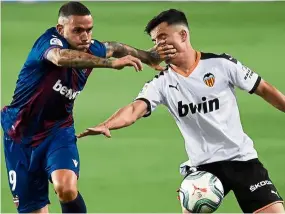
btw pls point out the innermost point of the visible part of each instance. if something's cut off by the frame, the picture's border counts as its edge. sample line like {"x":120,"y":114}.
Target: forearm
{"x":77,"y":59}
{"x":122,"y":118}
{"x":127,"y":115}
{"x":118,"y":50}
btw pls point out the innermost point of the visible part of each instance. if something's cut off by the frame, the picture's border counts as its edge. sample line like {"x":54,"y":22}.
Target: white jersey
{"x":205,"y":108}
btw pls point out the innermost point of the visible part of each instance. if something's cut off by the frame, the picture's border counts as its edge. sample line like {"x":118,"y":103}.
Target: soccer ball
{"x":201,"y":192}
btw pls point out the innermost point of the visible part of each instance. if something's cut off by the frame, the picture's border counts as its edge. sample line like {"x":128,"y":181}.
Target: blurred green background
{"x":137,"y":170}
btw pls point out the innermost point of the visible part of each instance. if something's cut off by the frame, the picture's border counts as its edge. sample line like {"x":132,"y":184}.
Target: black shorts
{"x":249,"y":181}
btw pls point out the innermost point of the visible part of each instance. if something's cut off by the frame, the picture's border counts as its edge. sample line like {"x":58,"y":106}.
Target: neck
{"x":185,"y":62}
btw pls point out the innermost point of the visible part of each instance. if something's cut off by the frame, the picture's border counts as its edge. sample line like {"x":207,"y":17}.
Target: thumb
{"x":159,"y":68}
{"x":107,"y":133}
{"x":83,"y":134}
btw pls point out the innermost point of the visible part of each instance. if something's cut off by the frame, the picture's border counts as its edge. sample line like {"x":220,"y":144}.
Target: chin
{"x":169,"y":61}
{"x":83,"y":48}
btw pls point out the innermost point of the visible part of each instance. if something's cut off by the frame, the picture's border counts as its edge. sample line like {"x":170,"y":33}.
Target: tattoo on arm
{"x":77,"y":59}
{"x":118,"y":50}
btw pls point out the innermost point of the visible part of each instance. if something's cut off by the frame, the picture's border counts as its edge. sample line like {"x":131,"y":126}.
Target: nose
{"x":84,"y":37}
{"x":159,"y":41}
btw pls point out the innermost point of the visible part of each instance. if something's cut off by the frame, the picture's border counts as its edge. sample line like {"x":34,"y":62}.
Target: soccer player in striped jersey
{"x":199,"y":91}
{"x":39,"y":136}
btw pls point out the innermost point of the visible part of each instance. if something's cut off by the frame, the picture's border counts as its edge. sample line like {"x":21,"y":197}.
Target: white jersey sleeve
{"x":152,"y":94}
{"x":242,"y":76}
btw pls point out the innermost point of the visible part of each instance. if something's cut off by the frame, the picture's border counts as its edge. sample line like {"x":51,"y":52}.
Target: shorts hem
{"x":62,"y":168}
{"x":268,"y":205}
{"x":34,"y":208}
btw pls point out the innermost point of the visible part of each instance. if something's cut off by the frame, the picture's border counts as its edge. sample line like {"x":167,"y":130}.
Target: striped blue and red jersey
{"x":44,"y":96}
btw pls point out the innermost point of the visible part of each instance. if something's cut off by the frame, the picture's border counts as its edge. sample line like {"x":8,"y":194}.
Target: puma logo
{"x":176,"y":87}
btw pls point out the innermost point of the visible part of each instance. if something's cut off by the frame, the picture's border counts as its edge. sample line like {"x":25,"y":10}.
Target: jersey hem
{"x":255,"y":85}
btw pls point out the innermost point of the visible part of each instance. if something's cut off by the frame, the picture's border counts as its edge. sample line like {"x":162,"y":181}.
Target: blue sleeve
{"x":45,"y":43}
{"x":98,"y":49}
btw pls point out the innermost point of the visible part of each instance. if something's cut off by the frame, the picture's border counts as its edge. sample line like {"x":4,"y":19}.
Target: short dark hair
{"x":73,"y":8}
{"x":171,"y":16}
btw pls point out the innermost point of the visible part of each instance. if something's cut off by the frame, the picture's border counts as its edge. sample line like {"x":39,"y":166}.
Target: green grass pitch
{"x":137,"y":170}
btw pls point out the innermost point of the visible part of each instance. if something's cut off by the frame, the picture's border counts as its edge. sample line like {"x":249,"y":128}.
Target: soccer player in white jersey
{"x":199,"y":91}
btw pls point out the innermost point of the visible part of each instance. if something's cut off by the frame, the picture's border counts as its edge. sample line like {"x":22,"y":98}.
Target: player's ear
{"x":59,"y":28}
{"x":183,"y":34}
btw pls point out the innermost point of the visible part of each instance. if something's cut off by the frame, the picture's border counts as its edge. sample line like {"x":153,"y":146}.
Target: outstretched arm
{"x":248,"y":80}
{"x":78,"y":59}
{"x":124,"y":117}
{"x":153,"y":57}
{"x":271,"y":95}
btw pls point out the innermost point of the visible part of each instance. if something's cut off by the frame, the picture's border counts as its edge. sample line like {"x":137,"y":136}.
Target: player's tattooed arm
{"x":152,"y":57}
{"x":78,"y":59}
{"x":124,"y":117}
{"x":271,"y":95}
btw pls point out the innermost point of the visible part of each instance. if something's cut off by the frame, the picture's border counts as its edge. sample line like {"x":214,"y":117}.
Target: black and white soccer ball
{"x":201,"y":192}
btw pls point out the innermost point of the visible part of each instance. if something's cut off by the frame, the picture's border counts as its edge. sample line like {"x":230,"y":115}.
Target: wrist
{"x":153,"y":56}
{"x":109,"y":63}
{"x":106,"y":125}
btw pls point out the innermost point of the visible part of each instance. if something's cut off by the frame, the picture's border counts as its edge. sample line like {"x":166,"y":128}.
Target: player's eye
{"x":89,"y":30}
{"x":162,"y":36}
{"x":77,"y":30}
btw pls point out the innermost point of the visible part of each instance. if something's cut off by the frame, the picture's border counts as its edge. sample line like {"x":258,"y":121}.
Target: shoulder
{"x":223,"y":61}
{"x":97,"y":48}
{"x":161,"y":76}
{"x":218,"y":57}
{"x":51,"y":37}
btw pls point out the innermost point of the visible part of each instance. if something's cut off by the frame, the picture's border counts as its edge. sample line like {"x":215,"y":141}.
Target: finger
{"x":170,"y":51}
{"x":107,"y":133}
{"x":134,"y":65}
{"x":94,"y":130}
{"x":161,"y":42}
{"x":137,"y":61}
{"x":130,"y":57}
{"x":83,"y":134}
{"x":167,"y":56}
{"x":166,"y":47}
{"x":170,"y":56}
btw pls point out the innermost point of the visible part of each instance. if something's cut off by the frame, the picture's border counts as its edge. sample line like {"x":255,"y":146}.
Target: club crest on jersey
{"x":16,"y":201}
{"x":209,"y":79}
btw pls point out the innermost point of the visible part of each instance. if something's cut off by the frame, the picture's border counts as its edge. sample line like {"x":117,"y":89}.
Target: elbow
{"x":56,"y":58}
{"x":61,"y":59}
{"x":58,"y":62}
{"x":283,"y":105}
{"x":130,"y":121}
